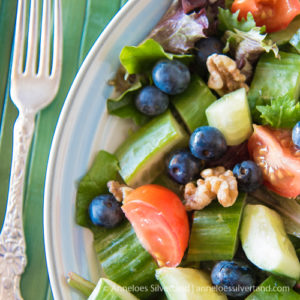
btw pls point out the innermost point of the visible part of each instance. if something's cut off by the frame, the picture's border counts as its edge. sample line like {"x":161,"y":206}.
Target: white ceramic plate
{"x":84,"y":128}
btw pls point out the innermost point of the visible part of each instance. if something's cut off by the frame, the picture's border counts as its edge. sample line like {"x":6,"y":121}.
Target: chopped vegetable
{"x":266,"y":243}
{"x":231,"y":115}
{"x":289,"y":209}
{"x":214,"y":233}
{"x":160,"y":222}
{"x":141,"y":156}
{"x":274,"y":151}
{"x":187,"y":284}
{"x":275,"y":15}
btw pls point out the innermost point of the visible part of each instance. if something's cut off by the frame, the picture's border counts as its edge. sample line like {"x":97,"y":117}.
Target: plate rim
{"x":98,"y":45}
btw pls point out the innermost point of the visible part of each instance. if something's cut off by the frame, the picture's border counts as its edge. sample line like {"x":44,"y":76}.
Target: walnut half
{"x":217,"y":183}
{"x":225,"y":77}
{"x":119,"y":190}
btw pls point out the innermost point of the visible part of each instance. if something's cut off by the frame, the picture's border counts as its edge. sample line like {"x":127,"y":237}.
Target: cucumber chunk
{"x":109,"y":290}
{"x":231,"y":115}
{"x":191,"y":104}
{"x":187,"y":284}
{"x":266,"y":243}
{"x":214,"y":234}
{"x":273,"y":288}
{"x":273,"y":78}
{"x":141,"y":156}
{"x":125,"y":261}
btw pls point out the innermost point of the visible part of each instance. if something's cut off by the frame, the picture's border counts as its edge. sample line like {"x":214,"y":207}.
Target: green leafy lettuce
{"x":135,"y":72}
{"x":104,"y":168}
{"x":283,"y":112}
{"x":244,"y":40}
{"x":289,"y":209}
{"x":229,"y":21}
{"x":142,"y":58}
{"x":177,"y":32}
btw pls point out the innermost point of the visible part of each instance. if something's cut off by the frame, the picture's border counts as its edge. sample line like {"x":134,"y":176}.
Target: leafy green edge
{"x":105,"y":167}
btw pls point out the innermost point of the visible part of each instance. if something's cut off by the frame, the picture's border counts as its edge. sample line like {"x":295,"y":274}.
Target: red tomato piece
{"x":273,"y":150}
{"x":160,"y":222}
{"x":275,"y":14}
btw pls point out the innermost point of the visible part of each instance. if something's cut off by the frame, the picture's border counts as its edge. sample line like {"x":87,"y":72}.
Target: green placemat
{"x":83,"y":21}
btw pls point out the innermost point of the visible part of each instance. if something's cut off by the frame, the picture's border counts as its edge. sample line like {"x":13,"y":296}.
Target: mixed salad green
{"x":201,"y":201}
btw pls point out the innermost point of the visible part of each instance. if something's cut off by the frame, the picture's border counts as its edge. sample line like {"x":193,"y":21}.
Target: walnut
{"x":218,"y":183}
{"x":224,"y":76}
{"x":119,"y":190}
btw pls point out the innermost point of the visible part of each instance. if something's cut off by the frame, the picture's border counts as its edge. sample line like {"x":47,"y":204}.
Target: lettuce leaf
{"x":289,"y":209}
{"x":104,"y":168}
{"x":248,"y":46}
{"x":283,"y":112}
{"x":229,"y":21}
{"x":124,"y":106}
{"x":142,"y":58}
{"x":177,"y":32}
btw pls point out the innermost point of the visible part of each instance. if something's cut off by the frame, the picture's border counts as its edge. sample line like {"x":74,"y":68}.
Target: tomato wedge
{"x":273,"y":150}
{"x":160,"y":222}
{"x":275,"y":14}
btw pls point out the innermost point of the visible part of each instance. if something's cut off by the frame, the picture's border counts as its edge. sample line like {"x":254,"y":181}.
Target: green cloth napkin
{"x":83,"y":21}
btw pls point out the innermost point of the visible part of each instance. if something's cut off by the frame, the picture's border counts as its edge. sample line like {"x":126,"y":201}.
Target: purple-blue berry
{"x":105,"y":210}
{"x":207,"y":143}
{"x":249,"y":176}
{"x":151,"y":101}
{"x":183,"y":167}
{"x":171,"y":76}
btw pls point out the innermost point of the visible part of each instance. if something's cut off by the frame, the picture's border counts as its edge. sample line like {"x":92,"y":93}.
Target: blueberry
{"x":171,"y":76}
{"x":151,"y":101}
{"x":183,"y":167}
{"x":106,"y":211}
{"x":296,"y":135}
{"x":249,"y":176}
{"x":207,"y":143}
{"x":205,"y":48}
{"x":233,"y":278}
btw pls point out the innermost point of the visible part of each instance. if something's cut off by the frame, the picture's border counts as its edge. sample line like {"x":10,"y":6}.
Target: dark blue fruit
{"x":183,"y":167}
{"x":248,"y":175}
{"x":171,"y":76}
{"x":151,"y":101}
{"x":106,"y":211}
{"x":233,"y":278}
{"x":207,"y":143}
{"x":205,"y":48}
{"x":296,"y":135}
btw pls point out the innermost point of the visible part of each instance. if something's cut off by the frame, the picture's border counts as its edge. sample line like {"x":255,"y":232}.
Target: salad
{"x":202,"y":200}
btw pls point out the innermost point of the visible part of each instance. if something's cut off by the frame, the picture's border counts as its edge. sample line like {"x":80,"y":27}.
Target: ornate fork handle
{"x":12,"y":241}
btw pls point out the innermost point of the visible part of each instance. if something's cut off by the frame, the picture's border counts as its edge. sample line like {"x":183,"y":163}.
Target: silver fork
{"x":33,"y":87}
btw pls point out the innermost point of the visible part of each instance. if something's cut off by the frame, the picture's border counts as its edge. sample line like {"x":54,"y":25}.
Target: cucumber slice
{"x":109,"y":290}
{"x":125,"y":261}
{"x":273,"y":288}
{"x":274,"y":78}
{"x":231,"y":115}
{"x":214,"y":234}
{"x":191,"y":104}
{"x":266,"y":243}
{"x":141,"y":156}
{"x":187,"y":284}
